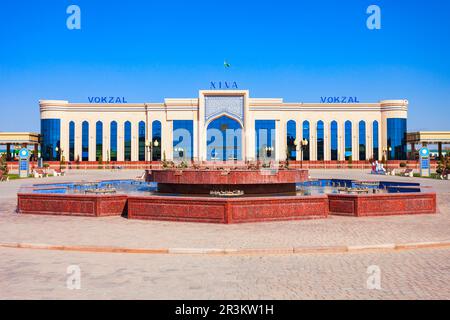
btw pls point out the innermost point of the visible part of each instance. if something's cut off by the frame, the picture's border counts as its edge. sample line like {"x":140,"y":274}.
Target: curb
{"x":231,"y":251}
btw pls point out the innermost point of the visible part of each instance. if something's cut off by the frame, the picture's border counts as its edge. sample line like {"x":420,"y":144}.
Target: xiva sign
{"x":217,"y":85}
{"x":107,"y":100}
{"x":339,"y":99}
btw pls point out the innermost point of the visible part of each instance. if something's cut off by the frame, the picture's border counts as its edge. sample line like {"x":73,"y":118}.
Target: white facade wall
{"x":194,"y":109}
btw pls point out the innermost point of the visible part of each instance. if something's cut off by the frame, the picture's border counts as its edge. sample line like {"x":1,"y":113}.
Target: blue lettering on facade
{"x":220,"y":85}
{"x":341,"y":99}
{"x":107,"y":100}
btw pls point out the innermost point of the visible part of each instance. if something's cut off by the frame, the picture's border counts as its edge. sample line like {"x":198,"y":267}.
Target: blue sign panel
{"x":424,"y":154}
{"x":24,"y":154}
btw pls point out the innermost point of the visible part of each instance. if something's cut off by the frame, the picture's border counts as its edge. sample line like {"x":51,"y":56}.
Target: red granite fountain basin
{"x":363,"y":205}
{"x":72,"y":205}
{"x":227,"y":210}
{"x":264,"y":181}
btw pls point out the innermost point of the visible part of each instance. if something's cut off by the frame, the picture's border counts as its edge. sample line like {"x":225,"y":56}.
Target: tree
{"x":3,"y":165}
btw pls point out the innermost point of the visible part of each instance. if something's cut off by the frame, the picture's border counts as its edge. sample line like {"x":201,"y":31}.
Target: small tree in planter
{"x":78,"y":162}
{"x":350,"y":162}
{"x":3,"y":165}
{"x":46,"y":166}
{"x":443,"y":168}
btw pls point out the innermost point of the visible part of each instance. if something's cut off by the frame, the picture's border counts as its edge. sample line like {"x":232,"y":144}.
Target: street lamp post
{"x":302,"y":145}
{"x":269,"y":151}
{"x":150,"y":145}
{"x":180,"y":152}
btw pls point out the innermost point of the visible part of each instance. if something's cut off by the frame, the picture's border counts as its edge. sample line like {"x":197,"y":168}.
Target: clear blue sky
{"x":296,"y":50}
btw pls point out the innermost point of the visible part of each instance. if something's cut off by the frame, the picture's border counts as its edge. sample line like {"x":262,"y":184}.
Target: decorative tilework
{"x":230,"y":105}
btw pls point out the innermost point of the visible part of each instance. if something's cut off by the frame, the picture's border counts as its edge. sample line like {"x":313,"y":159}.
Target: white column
{"x":341,"y":141}
{"x":78,"y":141}
{"x":92,"y":141}
{"x":134,"y":141}
{"x":355,"y":145}
{"x":167,"y":137}
{"x":280,"y":138}
{"x":106,"y":141}
{"x":326,"y":141}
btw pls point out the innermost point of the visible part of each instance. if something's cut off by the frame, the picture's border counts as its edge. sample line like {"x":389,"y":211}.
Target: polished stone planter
{"x":72,"y":205}
{"x":382,"y":204}
{"x":229,"y":210}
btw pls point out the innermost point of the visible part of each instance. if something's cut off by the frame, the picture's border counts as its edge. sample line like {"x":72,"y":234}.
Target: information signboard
{"x":424,"y":162}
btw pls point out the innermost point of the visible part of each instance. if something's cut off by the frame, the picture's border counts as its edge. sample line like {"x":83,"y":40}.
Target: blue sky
{"x":296,"y":50}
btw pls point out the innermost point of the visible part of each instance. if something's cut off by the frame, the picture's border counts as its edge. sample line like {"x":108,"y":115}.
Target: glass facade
{"x":51,"y":138}
{"x":72,"y":141}
{"x":320,"y":141}
{"x":113,"y":141}
{"x":265,"y":139}
{"x":99,"y":141}
{"x":127,"y":141}
{"x":306,"y":135}
{"x":396,"y":138}
{"x":142,"y":131}
{"x":376,"y":152}
{"x":85,"y":141}
{"x":156,"y":137}
{"x":224,"y":140}
{"x":362,"y":140}
{"x":334,"y":140}
{"x":291,"y":135}
{"x":183,"y":139}
{"x":348,"y":140}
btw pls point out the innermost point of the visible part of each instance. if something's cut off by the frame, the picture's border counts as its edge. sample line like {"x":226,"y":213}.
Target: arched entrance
{"x":224,"y":140}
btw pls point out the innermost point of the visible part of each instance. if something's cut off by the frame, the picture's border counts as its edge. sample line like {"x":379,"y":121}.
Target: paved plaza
{"x":422,"y":273}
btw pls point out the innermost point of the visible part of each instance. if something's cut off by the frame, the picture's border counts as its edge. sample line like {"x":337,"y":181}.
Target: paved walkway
{"x":42,"y":274}
{"x":121,"y":232}
{"x":30,"y":274}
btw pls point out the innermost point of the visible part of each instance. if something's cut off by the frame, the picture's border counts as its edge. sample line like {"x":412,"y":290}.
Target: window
{"x":99,"y":141}
{"x":306,"y":135}
{"x":51,"y":137}
{"x":224,"y":140}
{"x":85,"y":141}
{"x":334,"y":140}
{"x":376,"y":149}
{"x":142,"y":131}
{"x":156,"y":137}
{"x":183,"y":139}
{"x":348,"y":140}
{"x":113,"y":142}
{"x":72,"y":141}
{"x":265,"y":138}
{"x":320,"y":141}
{"x":362,"y":140}
{"x":291,"y":135}
{"x":127,"y":140}
{"x":396,"y":138}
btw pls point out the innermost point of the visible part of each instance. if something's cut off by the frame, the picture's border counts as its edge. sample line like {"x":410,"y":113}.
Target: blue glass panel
{"x":113,"y":144}
{"x":72,"y":141}
{"x":156,"y":137}
{"x":224,"y":140}
{"x":334,"y":140}
{"x":183,"y":139}
{"x":265,"y":138}
{"x":376,"y":149}
{"x":306,"y":135}
{"x":85,"y":141}
{"x":127,"y":141}
{"x":99,"y":141}
{"x":362,"y":140}
{"x":320,"y":141}
{"x":50,"y":139}
{"x":142,"y":131}
{"x":396,"y":138}
{"x":348,"y":140}
{"x":291,"y":136}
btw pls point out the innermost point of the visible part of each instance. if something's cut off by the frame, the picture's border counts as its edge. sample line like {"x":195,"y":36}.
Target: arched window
{"x":224,"y":140}
{"x":72,"y":141}
{"x":348,"y":140}
{"x":334,"y":140}
{"x":376,"y":153}
{"x":183,"y":139}
{"x":320,"y":141}
{"x":142,"y":131}
{"x":156,"y":139}
{"x":306,"y":136}
{"x":127,"y":140}
{"x":85,"y":141}
{"x":99,"y":141}
{"x":362,"y":140}
{"x":291,"y":135}
{"x":113,"y":142}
